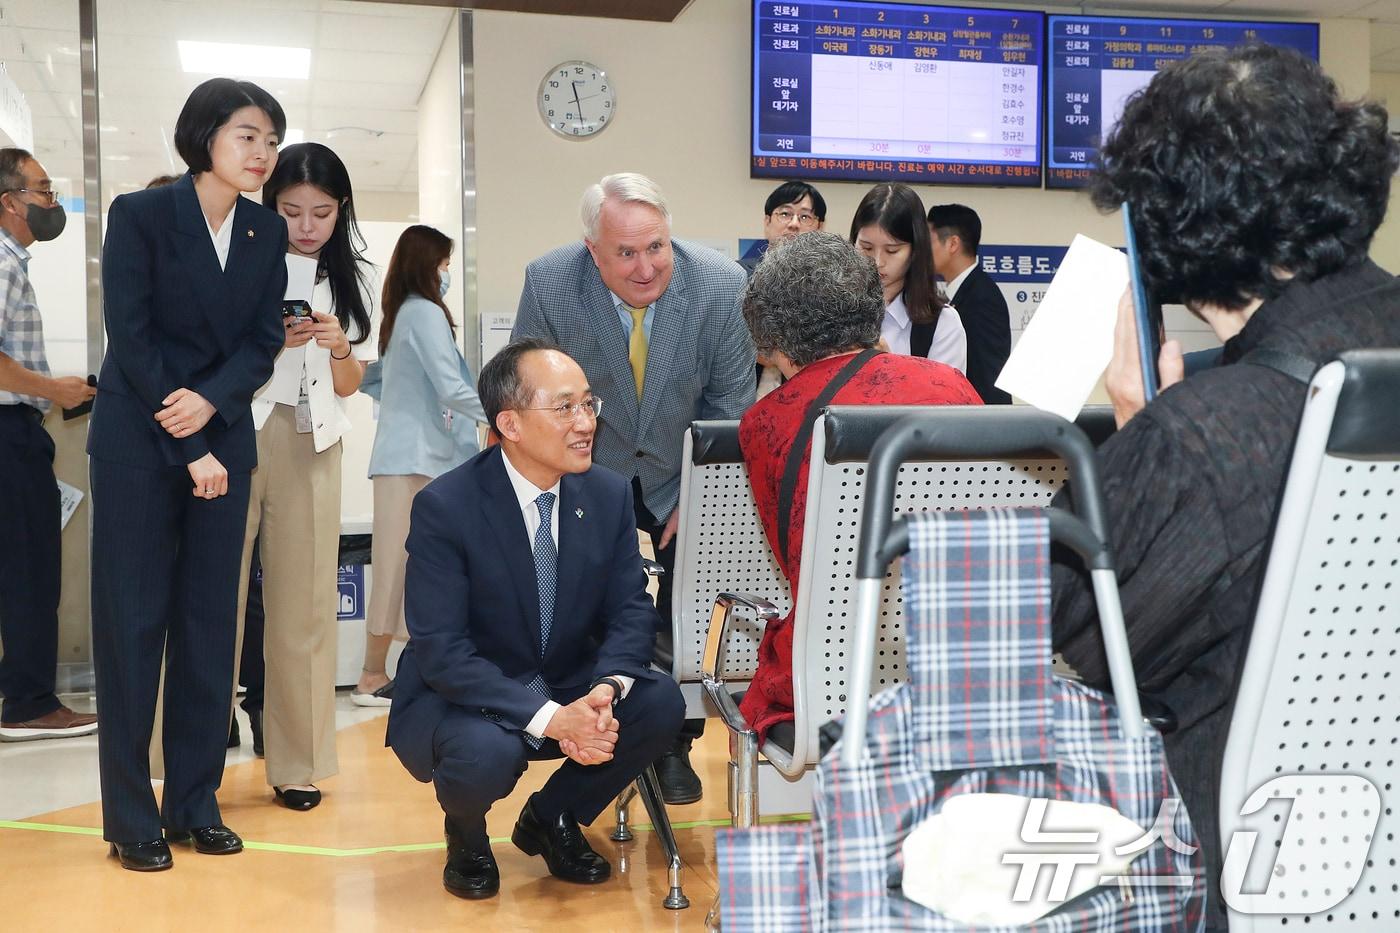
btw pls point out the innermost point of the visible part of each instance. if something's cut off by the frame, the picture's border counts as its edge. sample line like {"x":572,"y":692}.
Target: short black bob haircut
{"x":1243,"y":167}
{"x":500,"y":386}
{"x":209,"y":107}
{"x":790,"y":192}
{"x":957,"y":220}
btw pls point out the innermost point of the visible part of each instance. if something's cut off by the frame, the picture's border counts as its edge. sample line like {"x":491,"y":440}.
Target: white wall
{"x":440,"y":171}
{"x":1385,"y":249}
{"x":682,"y":118}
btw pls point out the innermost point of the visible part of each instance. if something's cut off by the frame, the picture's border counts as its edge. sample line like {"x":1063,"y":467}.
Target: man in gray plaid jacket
{"x":655,"y":324}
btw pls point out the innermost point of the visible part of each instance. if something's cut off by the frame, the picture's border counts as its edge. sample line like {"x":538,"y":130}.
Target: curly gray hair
{"x":814,"y":296}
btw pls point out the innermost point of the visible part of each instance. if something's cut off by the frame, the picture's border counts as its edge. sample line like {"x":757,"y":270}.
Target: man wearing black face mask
{"x":29,"y":510}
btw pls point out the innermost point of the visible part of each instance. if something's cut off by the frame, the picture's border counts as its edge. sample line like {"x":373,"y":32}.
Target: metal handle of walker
{"x":977,"y":434}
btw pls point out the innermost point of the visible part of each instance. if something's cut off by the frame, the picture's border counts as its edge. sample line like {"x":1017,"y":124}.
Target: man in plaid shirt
{"x":29,"y":509}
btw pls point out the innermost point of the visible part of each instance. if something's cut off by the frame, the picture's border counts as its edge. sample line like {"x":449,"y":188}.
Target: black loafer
{"x":209,"y":840}
{"x":298,"y":799}
{"x":565,"y":851}
{"x":678,"y":780}
{"x":143,"y":856}
{"x":470,"y":872}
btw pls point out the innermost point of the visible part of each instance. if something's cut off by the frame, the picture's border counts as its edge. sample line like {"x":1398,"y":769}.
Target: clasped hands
{"x":586,"y":729}
{"x":186,"y":412}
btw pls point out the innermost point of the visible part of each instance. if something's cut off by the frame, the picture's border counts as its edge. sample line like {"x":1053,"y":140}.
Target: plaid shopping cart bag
{"x":981,"y":714}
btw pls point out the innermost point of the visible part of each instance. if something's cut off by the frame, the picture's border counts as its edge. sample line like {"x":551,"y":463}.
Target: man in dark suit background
{"x":655,"y":323}
{"x":793,"y":207}
{"x":957,"y":233}
{"x":530,"y":629}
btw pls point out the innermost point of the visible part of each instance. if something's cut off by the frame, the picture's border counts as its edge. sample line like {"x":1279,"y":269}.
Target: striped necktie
{"x":637,"y":347}
{"x":547,"y":578}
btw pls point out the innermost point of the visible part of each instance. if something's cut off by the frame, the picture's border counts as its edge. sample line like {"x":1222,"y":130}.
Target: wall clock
{"x":577,"y":99}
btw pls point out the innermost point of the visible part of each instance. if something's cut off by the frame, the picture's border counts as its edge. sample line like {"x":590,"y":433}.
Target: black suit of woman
{"x":165,"y":563}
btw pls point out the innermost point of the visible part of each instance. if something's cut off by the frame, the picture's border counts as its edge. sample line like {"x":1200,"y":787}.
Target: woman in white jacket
{"x":294,"y":510}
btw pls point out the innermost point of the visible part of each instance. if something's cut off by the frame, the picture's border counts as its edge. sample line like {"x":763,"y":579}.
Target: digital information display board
{"x":894,"y":92}
{"x":1097,"y":62}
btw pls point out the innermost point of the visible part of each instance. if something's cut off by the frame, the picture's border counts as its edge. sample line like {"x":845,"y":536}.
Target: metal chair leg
{"x":743,"y":776}
{"x":650,"y":790}
{"x":622,"y":832}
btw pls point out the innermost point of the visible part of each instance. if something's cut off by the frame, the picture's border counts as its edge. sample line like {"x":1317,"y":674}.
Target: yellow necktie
{"x":637,"y":347}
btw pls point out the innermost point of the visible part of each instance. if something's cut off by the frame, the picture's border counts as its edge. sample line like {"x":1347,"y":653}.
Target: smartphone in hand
{"x":297,"y":310}
{"x":1147,"y":313}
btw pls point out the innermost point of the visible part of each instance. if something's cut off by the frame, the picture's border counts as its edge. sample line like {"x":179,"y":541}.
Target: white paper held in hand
{"x":1067,"y":345}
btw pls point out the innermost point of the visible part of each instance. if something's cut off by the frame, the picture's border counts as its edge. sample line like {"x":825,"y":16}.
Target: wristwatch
{"x":611,"y":682}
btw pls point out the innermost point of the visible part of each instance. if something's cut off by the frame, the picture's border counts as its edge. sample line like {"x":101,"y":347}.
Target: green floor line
{"x":291,"y":849}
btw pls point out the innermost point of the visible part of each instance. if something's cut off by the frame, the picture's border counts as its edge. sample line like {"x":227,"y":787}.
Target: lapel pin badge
{"x":578,"y":512}
{"x":250,"y":234}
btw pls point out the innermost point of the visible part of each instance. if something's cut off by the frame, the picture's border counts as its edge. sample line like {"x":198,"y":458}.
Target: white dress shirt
{"x":949,"y":339}
{"x":526,"y":493}
{"x":959,"y":279}
{"x":223,"y":237}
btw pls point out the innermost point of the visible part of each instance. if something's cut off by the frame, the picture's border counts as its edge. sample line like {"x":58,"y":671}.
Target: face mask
{"x":444,"y":282}
{"x":46,"y":223}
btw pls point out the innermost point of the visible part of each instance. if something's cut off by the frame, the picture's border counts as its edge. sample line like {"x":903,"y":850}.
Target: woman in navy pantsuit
{"x":193,"y":278}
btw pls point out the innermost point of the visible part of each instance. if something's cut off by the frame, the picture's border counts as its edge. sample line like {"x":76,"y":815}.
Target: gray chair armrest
{"x":716,"y":640}
{"x":717,"y":635}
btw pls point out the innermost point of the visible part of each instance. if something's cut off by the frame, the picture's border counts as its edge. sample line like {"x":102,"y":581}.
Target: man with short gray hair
{"x":655,"y":324}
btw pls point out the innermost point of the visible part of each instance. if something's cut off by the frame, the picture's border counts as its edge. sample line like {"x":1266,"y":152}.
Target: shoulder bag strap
{"x":787,"y":488}
{"x":1296,"y":367}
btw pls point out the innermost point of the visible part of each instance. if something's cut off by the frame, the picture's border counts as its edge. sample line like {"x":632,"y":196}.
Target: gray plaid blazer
{"x":700,"y":358}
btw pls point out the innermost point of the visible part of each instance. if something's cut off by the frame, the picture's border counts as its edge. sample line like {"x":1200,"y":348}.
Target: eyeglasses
{"x":804,"y":219}
{"x":569,"y":411}
{"x":50,"y":196}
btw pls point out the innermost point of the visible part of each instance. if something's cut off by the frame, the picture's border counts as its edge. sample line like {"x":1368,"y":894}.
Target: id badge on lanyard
{"x":303,"y":408}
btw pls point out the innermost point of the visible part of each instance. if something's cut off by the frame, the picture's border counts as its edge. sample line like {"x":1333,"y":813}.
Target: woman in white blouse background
{"x":890,"y":228}
{"x":294,"y":509}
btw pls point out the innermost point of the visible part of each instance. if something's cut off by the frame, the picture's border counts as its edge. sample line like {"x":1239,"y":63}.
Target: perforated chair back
{"x":1318,"y":708}
{"x":826,"y":605}
{"x":721,"y":548}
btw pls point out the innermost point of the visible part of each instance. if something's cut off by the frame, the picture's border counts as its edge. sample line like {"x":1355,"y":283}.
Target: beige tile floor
{"x":369,"y":858}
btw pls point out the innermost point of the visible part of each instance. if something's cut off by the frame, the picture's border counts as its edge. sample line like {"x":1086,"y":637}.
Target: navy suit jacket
{"x":982,"y":307}
{"x":471,"y":601}
{"x":176,"y":320}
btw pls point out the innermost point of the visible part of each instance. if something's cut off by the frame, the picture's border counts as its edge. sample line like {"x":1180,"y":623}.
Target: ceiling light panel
{"x":244,"y":61}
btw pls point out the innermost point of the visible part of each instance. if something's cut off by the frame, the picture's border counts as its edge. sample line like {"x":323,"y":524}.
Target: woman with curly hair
{"x":1255,"y":191}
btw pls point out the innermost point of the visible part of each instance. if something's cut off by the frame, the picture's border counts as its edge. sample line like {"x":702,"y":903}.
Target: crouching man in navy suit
{"x":530,"y":629}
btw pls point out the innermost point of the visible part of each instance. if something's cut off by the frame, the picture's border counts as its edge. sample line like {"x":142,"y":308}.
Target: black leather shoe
{"x":565,"y":851}
{"x":209,"y":840}
{"x":298,"y":799}
{"x":143,"y":856}
{"x":234,"y":739}
{"x":678,"y":780}
{"x":255,"y":726}
{"x":470,"y":872}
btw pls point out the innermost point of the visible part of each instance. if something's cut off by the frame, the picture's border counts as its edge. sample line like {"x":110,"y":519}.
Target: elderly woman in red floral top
{"x":814,"y":307}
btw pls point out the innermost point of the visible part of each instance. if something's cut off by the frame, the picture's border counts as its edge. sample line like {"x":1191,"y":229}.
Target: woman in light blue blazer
{"x":428,"y":412}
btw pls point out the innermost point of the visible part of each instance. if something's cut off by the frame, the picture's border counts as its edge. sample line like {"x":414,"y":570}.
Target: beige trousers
{"x":393,"y":500}
{"x":295,"y":505}
{"x":294,"y":512}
